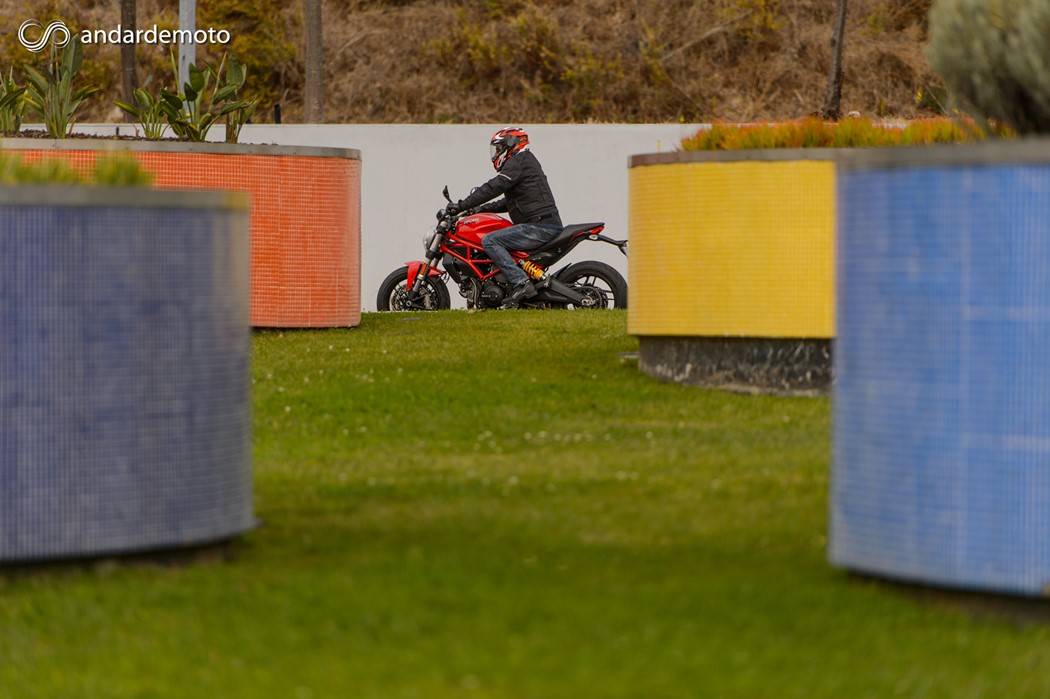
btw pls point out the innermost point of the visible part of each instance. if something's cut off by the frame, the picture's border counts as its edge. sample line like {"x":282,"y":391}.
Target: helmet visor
{"x":494,"y":151}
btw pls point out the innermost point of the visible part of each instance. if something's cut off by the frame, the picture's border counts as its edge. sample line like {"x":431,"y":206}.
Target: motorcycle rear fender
{"x":413,"y":272}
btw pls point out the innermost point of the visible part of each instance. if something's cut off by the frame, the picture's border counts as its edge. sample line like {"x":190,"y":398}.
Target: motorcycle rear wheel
{"x":394,"y":291}
{"x":603,"y":286}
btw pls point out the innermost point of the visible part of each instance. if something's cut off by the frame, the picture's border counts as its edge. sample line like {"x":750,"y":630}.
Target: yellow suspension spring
{"x":532,"y":269}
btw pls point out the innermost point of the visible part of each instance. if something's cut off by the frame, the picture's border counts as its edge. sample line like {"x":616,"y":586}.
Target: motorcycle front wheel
{"x":601,"y":285}
{"x":394,"y":294}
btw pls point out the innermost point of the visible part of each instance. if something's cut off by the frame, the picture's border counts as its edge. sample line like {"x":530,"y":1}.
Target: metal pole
{"x":187,"y":51}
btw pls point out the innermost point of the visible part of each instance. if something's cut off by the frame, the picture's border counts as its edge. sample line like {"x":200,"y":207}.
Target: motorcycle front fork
{"x":433,"y":259}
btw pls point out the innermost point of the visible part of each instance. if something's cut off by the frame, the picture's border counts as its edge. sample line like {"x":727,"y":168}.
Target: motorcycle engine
{"x":492,"y":294}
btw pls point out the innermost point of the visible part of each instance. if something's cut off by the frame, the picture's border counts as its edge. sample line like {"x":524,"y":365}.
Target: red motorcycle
{"x":455,"y":244}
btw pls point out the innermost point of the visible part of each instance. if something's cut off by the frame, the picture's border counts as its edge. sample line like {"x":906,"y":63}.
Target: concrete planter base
{"x":787,"y":367}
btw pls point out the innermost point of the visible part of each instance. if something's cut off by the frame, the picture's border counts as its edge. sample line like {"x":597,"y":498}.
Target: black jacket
{"x":526,"y":195}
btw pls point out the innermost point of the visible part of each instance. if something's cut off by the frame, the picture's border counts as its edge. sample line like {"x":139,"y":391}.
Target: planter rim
{"x":88,"y":196}
{"x":1035,"y":150}
{"x":102,"y":143}
{"x":1025,"y":151}
{"x":729,"y":156}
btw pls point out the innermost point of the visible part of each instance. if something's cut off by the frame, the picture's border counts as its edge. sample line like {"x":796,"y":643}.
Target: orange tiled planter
{"x":305,"y":216}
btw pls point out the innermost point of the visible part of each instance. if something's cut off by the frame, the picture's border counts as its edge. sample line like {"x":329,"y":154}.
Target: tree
{"x":313,"y":93}
{"x":833,"y":98}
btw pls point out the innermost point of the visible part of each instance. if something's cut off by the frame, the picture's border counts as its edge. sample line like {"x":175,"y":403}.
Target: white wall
{"x":404,"y":168}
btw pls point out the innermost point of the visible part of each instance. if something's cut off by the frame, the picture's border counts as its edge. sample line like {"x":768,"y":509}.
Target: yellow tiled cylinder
{"x":732,"y":249}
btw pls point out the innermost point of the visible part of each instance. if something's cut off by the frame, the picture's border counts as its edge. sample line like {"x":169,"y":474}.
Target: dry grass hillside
{"x":543,"y":61}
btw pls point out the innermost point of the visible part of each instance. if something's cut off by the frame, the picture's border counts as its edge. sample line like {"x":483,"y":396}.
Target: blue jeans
{"x":523,"y":236}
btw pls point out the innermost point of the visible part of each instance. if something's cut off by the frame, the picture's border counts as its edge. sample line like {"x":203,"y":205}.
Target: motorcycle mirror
{"x":445,"y":192}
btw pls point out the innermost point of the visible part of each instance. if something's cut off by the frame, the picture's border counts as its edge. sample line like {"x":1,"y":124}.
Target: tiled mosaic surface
{"x":305,"y":226}
{"x":732,"y":249}
{"x":124,"y":380}
{"x":941,"y":462}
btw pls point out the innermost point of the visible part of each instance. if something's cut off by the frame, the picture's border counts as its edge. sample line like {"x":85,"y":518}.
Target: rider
{"x":526,"y":197}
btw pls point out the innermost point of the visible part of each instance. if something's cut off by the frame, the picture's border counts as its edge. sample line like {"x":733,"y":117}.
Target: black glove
{"x":452,"y":209}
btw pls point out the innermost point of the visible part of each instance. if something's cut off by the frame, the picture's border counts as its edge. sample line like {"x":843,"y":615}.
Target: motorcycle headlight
{"x":429,"y":236}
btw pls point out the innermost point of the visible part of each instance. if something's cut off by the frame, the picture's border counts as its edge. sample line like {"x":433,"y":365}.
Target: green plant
{"x":237,"y":111}
{"x":993,"y":57}
{"x":209,"y":94}
{"x":14,"y":171}
{"x":51,"y":94}
{"x":11,"y":170}
{"x":756,"y":20}
{"x":478,"y":54}
{"x":51,"y":171}
{"x":934,"y":98}
{"x":12,"y":104}
{"x":109,"y":170}
{"x":651,"y":50}
{"x":186,"y":111}
{"x":147,"y":111}
{"x":530,"y":50}
{"x":537,"y":46}
{"x":497,"y":9}
{"x":877,"y":23}
{"x":121,"y":170}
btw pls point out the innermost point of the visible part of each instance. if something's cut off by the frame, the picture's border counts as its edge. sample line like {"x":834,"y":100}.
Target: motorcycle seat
{"x":567,"y":234}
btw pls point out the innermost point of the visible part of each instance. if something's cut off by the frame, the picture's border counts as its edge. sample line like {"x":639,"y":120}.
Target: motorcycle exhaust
{"x":555,"y":290}
{"x":560,"y":291}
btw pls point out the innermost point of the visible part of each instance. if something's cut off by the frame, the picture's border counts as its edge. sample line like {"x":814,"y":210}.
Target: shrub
{"x":48,"y":171}
{"x":849,"y":133}
{"x":995,"y":58}
{"x":109,"y":171}
{"x":527,"y":51}
{"x":756,"y":20}
{"x":121,"y":171}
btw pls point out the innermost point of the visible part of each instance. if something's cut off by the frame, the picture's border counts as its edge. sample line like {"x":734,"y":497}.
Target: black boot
{"x":518,"y":293}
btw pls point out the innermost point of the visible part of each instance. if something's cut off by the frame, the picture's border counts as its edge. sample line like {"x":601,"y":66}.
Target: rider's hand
{"x":452,"y":209}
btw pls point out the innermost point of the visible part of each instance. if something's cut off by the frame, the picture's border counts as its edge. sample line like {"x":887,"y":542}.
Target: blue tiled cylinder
{"x":124,"y":371}
{"x":941,"y":459}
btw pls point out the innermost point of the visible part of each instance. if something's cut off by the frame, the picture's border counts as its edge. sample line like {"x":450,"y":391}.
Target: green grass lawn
{"x":501,"y":505}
